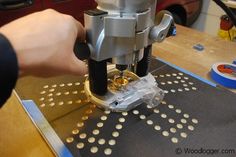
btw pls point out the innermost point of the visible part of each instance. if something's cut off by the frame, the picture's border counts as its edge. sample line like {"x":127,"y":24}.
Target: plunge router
{"x":121,"y":33}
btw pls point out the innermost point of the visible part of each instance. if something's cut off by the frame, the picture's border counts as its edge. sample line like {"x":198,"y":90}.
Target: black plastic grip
{"x":144,"y":65}
{"x":81,"y":50}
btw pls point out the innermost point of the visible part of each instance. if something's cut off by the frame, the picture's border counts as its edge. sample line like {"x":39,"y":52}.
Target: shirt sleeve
{"x":8,"y":69}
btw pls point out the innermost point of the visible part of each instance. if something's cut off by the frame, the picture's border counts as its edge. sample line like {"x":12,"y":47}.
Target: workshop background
{"x":209,"y":19}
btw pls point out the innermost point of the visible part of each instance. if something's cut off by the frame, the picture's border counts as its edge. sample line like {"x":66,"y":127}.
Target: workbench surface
{"x":19,"y":137}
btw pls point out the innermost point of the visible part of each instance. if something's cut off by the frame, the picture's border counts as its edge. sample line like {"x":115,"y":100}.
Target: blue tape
{"x":220,"y":78}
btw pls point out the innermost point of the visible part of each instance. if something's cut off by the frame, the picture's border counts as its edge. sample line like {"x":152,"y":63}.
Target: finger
{"x":81,"y":31}
{"x":77,"y":67}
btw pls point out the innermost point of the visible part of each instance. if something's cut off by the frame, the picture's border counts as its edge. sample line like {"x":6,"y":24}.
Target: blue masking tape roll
{"x":221,"y":78}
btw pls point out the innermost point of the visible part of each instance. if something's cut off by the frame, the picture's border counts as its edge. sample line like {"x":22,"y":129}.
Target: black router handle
{"x":81,"y":50}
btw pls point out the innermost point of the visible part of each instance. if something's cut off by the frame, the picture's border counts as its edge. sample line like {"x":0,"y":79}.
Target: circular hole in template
{"x":58,"y":94}
{"x":89,"y":111}
{"x":165,"y":133}
{"x":42,"y":105}
{"x":77,"y":83}
{"x":85,"y":118}
{"x":101,"y":141}
{"x":170,"y":106}
{"x":54,"y":86}
{"x":174,"y":140}
{"x":190,"y":127}
{"x":121,"y":120}
{"x":191,"y":83}
{"x":50,"y":95}
{"x":75,"y":92}
{"x":163,"y":115}
{"x":186,"y":78}
{"x":80,"y":124}
{"x":75,"y":131}
{"x":108,"y":151}
{"x":183,"y":134}
{"x":176,"y":82}
{"x":94,"y":149}
{"x":195,"y":121}
{"x":186,"y":89}
{"x":135,"y":112}
{"x":82,"y":136}
{"x":149,"y":122}
{"x":96,"y":132}
{"x":103,"y":118}
{"x":100,"y":124}
{"x":112,"y":142}
{"x":46,"y":86}
{"x":80,"y":145}
{"x":178,"y":111}
{"x":124,"y":113}
{"x":163,"y":102}
{"x":182,"y":81}
{"x":50,"y":100}
{"x":91,"y":139}
{"x":70,"y":102}
{"x":179,"y":126}
{"x":142,"y":117}
{"x":184,"y":121}
{"x":156,"y":110}
{"x":115,"y":134}
{"x":172,"y":121}
{"x":52,"y":104}
{"x":51,"y":90}
{"x":62,"y":85}
{"x":66,"y":93}
{"x":163,"y":83}
{"x":173,"y":130}
{"x":69,"y":84}
{"x":118,"y":126}
{"x":78,"y":101}
{"x":107,"y":112}
{"x":157,"y":127}
{"x":42,"y":92}
{"x":61,"y":103}
{"x":69,"y":139}
{"x":180,"y":90}
{"x":186,"y":115}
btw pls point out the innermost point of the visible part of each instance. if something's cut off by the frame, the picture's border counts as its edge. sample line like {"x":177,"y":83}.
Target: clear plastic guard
{"x":143,"y":90}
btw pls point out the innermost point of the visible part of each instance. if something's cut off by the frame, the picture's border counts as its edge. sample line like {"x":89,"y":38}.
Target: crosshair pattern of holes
{"x":50,"y":93}
{"x":179,"y":130}
{"x":62,"y":94}
{"x":98,"y":142}
{"x":169,"y":80}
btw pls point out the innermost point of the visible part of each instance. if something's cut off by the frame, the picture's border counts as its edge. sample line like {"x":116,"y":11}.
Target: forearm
{"x":8,"y":69}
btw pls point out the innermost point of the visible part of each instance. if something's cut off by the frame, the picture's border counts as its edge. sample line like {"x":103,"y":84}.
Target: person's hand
{"x":44,"y":43}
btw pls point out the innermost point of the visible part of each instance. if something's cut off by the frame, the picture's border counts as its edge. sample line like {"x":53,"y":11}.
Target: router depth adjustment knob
{"x":164,"y":23}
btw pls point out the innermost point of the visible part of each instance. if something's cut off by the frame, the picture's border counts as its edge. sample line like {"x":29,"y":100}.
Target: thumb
{"x":77,"y":67}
